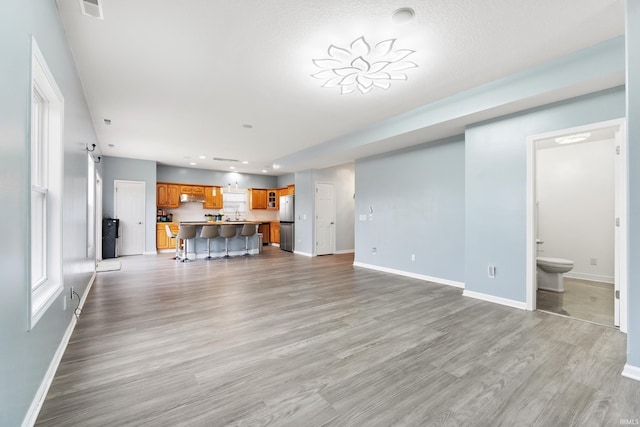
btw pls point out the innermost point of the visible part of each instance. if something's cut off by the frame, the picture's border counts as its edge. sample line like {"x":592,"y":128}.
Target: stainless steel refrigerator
{"x":287,"y":221}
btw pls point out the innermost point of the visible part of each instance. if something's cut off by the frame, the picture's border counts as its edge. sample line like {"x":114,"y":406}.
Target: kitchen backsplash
{"x":195,"y":212}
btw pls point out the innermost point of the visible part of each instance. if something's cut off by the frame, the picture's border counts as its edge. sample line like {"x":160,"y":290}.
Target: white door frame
{"x":144,"y":211}
{"x":621,"y":188}
{"x":98,"y":213}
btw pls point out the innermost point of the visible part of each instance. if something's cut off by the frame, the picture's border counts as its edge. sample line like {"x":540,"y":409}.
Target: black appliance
{"x":110,"y":228}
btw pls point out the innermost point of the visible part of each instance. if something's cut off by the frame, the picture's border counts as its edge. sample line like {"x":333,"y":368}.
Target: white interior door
{"x":620,"y":245}
{"x":325,"y":219}
{"x":129,"y":209}
{"x":98,"y":221}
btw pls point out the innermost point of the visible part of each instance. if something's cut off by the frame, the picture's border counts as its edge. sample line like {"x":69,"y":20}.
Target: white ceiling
{"x":179,"y":79}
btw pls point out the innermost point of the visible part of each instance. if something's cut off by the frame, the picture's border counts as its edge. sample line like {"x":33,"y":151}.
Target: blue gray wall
{"x":418,"y":201}
{"x":633,"y":126}
{"x":304,"y":206}
{"x":25,"y":356}
{"x":284,"y":180}
{"x":210,"y":177}
{"x":118,"y":168}
{"x":495,"y":206}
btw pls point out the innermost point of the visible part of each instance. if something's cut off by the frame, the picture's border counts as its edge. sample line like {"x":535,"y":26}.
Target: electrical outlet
{"x":413,"y":257}
{"x":373,"y":250}
{"x":593,"y":261}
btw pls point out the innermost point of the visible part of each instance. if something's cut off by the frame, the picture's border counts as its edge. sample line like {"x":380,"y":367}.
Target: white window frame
{"x":46,"y":166}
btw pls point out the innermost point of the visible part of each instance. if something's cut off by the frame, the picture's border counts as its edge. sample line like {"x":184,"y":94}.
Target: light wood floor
{"x":582,"y":299}
{"x":281,"y":339}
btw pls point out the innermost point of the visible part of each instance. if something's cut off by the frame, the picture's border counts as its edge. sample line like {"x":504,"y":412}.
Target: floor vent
{"x":92,"y":8}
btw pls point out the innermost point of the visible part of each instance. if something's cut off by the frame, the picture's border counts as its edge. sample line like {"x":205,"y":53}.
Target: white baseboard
{"x":277,"y":245}
{"x":150,"y":252}
{"x":409,"y":274}
{"x":303,"y":254}
{"x":36,"y":405}
{"x":631,"y":371}
{"x":346,"y":251}
{"x":494,"y":299}
{"x":590,"y":277}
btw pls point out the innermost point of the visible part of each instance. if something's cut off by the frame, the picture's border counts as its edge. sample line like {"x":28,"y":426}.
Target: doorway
{"x":98,"y":218}
{"x":325,"y":206}
{"x":130,"y":210}
{"x":584,"y":285}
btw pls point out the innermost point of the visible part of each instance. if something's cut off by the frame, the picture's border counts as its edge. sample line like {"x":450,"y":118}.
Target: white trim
{"x":153,"y":252}
{"x":277,"y":245}
{"x":36,"y":404}
{"x":531,"y":284}
{"x":303,"y":254}
{"x":43,"y":82}
{"x":409,"y":274}
{"x":345,"y":251}
{"x":631,"y":371}
{"x":590,"y":277}
{"x":494,"y":299}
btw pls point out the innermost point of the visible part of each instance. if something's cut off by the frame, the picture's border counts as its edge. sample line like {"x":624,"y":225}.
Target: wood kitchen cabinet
{"x":212,"y":198}
{"x":167,"y":195}
{"x":291,"y":190}
{"x":258,"y":198}
{"x":273,"y":199}
{"x":197,"y":189}
{"x":274,"y":229}
{"x":162,"y":240}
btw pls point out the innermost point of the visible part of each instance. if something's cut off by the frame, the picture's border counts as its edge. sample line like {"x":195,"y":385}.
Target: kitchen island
{"x":198,"y":247}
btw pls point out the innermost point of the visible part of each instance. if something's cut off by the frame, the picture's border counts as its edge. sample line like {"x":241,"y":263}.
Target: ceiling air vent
{"x":92,"y":8}
{"x":220,"y":159}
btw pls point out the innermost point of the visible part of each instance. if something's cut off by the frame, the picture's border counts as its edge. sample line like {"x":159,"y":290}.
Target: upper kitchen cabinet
{"x":212,"y":198}
{"x":273,"y":199}
{"x":258,"y":198}
{"x":289,"y":191}
{"x":167,"y":195}
{"x":191,"y":189}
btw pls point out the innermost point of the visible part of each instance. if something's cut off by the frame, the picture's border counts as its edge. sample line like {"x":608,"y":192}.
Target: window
{"x":47,"y":106}
{"x":234,"y":201}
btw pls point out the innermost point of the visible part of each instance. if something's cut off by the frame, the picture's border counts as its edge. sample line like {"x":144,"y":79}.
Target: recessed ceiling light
{"x":264,"y":171}
{"x":244,"y":162}
{"x":570,"y":139}
{"x":247,"y":126}
{"x":192,"y":164}
{"x":276,"y":166}
{"x":403,"y":15}
{"x":232,"y":167}
{"x":202,"y":157}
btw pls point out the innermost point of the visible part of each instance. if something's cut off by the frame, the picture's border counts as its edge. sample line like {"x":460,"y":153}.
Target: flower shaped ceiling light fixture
{"x":363,"y":67}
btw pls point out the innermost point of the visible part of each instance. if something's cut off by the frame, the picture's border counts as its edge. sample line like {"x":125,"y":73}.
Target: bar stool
{"x":170,"y":235}
{"x":227,"y":231}
{"x":248,"y":230}
{"x":186,"y":233}
{"x":209,"y":232}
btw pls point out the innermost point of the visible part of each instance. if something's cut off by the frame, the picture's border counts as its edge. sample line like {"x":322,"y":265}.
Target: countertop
{"x":219,"y":222}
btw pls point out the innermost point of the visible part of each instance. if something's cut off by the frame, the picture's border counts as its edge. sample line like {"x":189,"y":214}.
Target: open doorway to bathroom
{"x":576,"y":223}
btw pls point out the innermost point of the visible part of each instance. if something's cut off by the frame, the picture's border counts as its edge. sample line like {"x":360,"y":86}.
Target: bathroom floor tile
{"x":581,"y":299}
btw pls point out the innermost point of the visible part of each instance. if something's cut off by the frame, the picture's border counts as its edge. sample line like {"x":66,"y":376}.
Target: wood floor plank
{"x":280,"y":339}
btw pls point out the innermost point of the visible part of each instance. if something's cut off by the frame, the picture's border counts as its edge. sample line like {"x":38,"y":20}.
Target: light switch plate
{"x":363,"y":217}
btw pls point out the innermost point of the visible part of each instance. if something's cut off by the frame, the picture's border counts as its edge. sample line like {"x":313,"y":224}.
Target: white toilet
{"x":550,"y":271}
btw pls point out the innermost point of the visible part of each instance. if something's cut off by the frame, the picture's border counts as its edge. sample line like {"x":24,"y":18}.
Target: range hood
{"x":198,"y":198}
